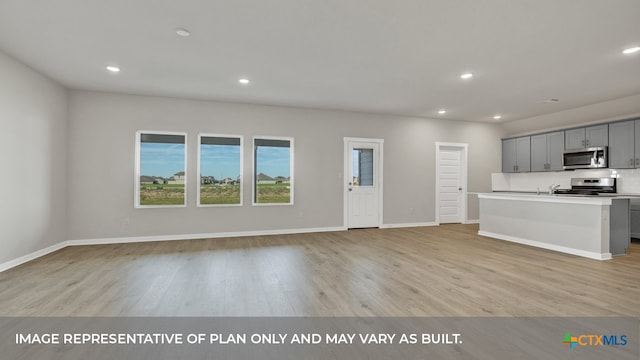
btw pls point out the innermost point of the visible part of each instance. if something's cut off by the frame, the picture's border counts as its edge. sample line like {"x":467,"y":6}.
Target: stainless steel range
{"x":590,"y":186}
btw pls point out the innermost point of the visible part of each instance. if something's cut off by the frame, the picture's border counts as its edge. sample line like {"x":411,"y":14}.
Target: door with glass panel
{"x":363,"y":188}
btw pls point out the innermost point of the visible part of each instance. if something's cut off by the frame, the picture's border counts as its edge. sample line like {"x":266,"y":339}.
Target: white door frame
{"x":463,"y":178}
{"x":345,"y":186}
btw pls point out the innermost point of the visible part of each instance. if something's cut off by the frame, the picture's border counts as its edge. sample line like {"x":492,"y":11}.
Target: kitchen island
{"x":596,"y":227}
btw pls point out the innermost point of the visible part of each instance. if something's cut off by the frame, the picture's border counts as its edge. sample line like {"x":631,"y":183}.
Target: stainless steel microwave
{"x":588,"y":158}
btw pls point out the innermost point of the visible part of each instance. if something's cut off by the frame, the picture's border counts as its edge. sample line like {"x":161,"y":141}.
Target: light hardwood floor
{"x":432,"y":271}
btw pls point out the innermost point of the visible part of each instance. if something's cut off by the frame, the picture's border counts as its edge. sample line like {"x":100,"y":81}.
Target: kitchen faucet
{"x":552,"y":188}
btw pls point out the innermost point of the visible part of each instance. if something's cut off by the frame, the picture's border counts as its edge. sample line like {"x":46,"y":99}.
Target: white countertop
{"x":556,"y":198}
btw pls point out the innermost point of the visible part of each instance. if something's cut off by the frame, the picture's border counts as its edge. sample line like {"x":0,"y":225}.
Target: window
{"x":160,"y":169}
{"x":273,"y":171}
{"x":362,"y":167}
{"x":220,"y":170}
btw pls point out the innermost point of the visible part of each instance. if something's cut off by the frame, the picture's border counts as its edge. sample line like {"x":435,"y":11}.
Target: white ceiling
{"x":394,"y":57}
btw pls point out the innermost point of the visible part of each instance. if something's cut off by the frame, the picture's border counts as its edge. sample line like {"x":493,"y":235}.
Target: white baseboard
{"x":431,"y":223}
{"x":566,"y":250}
{"x":32,"y":256}
{"x":123,"y":240}
{"x":405,"y":225}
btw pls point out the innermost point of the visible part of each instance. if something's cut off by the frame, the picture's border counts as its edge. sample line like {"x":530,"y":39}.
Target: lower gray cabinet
{"x":637,"y":143}
{"x":619,"y":227}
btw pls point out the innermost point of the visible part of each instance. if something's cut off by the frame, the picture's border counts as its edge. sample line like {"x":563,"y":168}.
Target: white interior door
{"x":450,"y":187}
{"x":363,"y":184}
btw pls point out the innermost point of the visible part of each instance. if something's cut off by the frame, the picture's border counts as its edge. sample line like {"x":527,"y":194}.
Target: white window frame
{"x":200,"y":136}
{"x":254,"y":175}
{"x":137,"y":174}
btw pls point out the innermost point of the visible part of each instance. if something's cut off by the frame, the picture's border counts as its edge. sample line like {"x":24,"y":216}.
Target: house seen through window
{"x":273,"y":164}
{"x":161,"y":169}
{"x":220,"y":170}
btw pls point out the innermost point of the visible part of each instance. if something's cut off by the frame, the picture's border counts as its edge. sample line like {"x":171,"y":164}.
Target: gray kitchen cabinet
{"x":622,"y":149}
{"x":556,"y":150}
{"x":597,"y":135}
{"x":635,"y":218}
{"x":516,"y":154}
{"x":587,"y":137}
{"x":509,"y":155}
{"x":546,"y":151}
{"x":539,"y":153}
{"x":637,"y":143}
{"x":574,"y":138}
{"x":619,"y":227}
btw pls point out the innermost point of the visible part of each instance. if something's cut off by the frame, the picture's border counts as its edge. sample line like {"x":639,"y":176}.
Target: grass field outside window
{"x":161,"y":159}
{"x":219,"y":170}
{"x":273,"y":170}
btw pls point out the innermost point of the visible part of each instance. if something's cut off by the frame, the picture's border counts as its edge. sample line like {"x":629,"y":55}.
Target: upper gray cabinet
{"x":509,"y":155}
{"x":516,"y":154}
{"x":587,"y":137}
{"x":622,"y":148}
{"x":574,"y":138}
{"x":597,"y":135}
{"x":546,"y":151}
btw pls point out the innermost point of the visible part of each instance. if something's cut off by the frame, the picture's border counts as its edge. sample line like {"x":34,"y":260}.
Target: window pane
{"x":162,"y":169}
{"x":362,"y":167}
{"x":220,"y":164}
{"x":272,"y":171}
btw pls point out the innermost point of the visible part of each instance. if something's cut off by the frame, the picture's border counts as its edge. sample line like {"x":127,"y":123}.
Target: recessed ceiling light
{"x":183,"y":32}
{"x":631,"y":50}
{"x":466,"y":76}
{"x":497,"y":117}
{"x":442,"y":112}
{"x":244,"y":81}
{"x":113,"y":69}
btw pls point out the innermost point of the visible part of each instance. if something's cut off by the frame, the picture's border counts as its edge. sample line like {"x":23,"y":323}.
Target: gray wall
{"x":101,"y":134}
{"x":33,"y":117}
